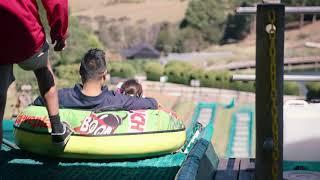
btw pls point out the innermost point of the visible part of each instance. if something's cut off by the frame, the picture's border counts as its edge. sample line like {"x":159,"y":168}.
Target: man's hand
{"x":60,"y":45}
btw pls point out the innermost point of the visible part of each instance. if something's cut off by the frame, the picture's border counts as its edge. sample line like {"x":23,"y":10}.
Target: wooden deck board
{"x":246,"y":171}
{"x":228,"y":169}
{"x":235,"y":169}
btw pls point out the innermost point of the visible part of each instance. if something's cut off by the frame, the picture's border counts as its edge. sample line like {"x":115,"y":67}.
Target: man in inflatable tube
{"x":92,"y":94}
{"x":23,"y":42}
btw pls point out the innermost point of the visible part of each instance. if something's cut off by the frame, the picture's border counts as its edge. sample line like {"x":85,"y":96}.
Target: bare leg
{"x":60,"y":133}
{"x":48,"y":89}
{"x":6,"y":79}
{"x":49,"y":92}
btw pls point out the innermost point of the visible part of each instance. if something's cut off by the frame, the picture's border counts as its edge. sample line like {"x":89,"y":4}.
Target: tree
{"x":166,"y":39}
{"x":189,"y":40}
{"x":208,"y":17}
{"x":237,"y":26}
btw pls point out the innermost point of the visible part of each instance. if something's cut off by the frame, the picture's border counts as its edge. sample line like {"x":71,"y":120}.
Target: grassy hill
{"x":154,"y":11}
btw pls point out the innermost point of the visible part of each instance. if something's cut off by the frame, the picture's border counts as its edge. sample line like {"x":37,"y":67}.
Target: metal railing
{"x":306,"y":78}
{"x":288,"y":10}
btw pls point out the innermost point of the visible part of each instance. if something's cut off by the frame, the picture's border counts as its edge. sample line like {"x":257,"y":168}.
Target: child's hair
{"x":132,"y":87}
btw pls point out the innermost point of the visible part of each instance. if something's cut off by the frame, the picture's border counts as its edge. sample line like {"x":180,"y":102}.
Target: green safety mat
{"x":16,"y":164}
{"x":7,"y":130}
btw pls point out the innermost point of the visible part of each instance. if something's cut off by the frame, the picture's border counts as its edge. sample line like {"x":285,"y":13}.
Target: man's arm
{"x":135,"y":103}
{"x":57,"y":15}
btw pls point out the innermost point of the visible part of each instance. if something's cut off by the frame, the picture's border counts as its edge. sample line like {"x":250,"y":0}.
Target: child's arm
{"x":169,"y":111}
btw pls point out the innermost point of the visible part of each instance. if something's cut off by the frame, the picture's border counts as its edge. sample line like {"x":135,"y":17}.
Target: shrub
{"x":246,"y":86}
{"x":178,"y":72}
{"x":313,"y":91}
{"x":154,"y":70}
{"x":216,"y":79}
{"x":208,"y":79}
{"x":196,"y":74}
{"x":183,"y":72}
{"x":291,"y":88}
{"x":223,"y":79}
{"x":121,"y":69}
{"x":68,"y":75}
{"x":139,"y":65}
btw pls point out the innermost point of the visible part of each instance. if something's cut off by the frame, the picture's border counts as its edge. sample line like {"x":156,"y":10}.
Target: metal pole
{"x":269,"y":91}
{"x":288,"y":10}
{"x":304,"y":78}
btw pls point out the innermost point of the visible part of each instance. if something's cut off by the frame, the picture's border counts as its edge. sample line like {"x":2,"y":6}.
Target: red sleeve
{"x":57,"y":15}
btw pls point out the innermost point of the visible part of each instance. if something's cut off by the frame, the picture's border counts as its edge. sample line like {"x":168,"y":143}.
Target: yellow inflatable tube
{"x":156,"y":133}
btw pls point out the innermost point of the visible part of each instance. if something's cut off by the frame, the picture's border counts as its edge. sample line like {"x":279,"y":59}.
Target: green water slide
{"x":240,"y":143}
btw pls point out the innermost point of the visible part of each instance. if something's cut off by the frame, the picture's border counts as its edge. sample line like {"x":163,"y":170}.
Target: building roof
{"x":142,"y":50}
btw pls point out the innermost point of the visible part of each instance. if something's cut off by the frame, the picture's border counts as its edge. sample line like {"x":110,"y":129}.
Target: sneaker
{"x":61,"y":139}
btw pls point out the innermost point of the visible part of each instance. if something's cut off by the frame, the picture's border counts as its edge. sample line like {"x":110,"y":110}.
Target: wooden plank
{"x":228,"y":169}
{"x":247,"y":169}
{"x":223,"y":164}
{"x":264,"y":134}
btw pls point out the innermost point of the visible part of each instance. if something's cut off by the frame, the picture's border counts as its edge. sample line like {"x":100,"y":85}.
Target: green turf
{"x":16,"y":164}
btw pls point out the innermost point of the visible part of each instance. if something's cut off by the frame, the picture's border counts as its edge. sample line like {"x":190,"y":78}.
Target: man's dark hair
{"x":93,"y":65}
{"x":132,"y":87}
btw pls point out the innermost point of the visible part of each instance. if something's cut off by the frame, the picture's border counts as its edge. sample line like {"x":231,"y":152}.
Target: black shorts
{"x":6,"y":77}
{"x":38,"y":60}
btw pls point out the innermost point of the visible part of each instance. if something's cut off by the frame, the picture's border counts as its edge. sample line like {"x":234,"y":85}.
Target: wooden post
{"x":264,"y":133}
{"x":302,"y":15}
{"x":314,"y":18}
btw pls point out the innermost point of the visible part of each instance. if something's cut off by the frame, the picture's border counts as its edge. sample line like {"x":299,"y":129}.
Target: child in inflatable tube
{"x":132,"y":87}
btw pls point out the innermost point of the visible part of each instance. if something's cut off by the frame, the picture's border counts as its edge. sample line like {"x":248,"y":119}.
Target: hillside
{"x":158,"y":11}
{"x":295,"y":40}
{"x":154,"y":11}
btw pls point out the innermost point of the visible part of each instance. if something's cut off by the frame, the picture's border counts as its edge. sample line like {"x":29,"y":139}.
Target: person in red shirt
{"x":23,"y":42}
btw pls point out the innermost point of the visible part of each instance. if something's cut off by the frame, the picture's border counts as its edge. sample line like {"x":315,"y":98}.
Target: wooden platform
{"x":235,"y":169}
